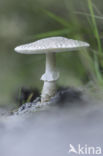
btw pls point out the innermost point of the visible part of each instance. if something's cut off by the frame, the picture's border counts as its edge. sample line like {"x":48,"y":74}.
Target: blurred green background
{"x":26,"y":21}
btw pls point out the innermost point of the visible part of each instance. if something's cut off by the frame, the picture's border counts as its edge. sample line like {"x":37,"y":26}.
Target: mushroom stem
{"x":50,"y":62}
{"x":49,"y":78}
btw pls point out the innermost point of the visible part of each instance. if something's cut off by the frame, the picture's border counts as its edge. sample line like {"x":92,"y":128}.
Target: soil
{"x":64,"y":96}
{"x":70,"y":117}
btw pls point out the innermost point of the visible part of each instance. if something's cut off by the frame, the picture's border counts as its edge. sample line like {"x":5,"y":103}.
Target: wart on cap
{"x":50,"y":46}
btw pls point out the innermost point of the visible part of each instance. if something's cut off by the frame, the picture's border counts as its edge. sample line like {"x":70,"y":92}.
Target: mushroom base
{"x":49,"y":90}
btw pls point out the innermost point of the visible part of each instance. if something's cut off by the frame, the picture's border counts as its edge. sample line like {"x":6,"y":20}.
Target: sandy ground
{"x":50,"y":132}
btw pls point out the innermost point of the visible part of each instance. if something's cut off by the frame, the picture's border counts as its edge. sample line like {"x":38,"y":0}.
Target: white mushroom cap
{"x":51,"y":44}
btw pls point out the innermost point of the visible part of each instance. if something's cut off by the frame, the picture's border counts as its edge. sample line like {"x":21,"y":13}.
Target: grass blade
{"x":96,"y":34}
{"x":59,"y":32}
{"x":87,"y":14}
{"x":58,"y":19}
{"x":53,"y":33}
{"x":95,"y":29}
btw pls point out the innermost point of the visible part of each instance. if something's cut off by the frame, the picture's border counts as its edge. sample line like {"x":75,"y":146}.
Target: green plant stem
{"x":96,"y":34}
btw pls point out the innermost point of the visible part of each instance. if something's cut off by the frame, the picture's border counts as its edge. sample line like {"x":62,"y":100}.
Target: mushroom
{"x":50,"y":46}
